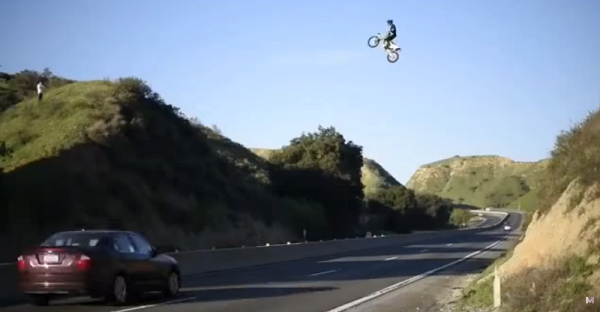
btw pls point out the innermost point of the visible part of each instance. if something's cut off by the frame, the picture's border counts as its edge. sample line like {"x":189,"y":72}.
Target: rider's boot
{"x":386,"y":45}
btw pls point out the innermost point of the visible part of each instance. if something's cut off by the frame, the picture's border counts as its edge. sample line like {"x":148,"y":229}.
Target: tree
{"x":460,"y":216}
{"x":401,"y":207}
{"x":324,"y":168}
{"x":435,"y":211}
{"x":216,"y":129}
{"x":386,"y":218}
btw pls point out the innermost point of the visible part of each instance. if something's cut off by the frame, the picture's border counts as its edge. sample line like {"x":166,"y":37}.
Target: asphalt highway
{"x":318,"y":285}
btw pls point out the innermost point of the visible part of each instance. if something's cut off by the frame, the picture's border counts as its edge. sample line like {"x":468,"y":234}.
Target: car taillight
{"x":84,"y":262}
{"x":21,"y":263}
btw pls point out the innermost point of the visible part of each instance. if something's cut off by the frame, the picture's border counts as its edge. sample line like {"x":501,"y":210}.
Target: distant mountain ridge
{"x":488,"y":180}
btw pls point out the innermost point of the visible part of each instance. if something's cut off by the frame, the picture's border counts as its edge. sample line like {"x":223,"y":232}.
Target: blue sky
{"x":475,"y":77}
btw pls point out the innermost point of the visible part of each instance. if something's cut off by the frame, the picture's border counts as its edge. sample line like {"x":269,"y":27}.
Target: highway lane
{"x":430,"y":294}
{"x":316,"y":284}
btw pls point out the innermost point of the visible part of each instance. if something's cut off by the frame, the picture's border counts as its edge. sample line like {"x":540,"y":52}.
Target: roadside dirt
{"x":449,"y":301}
{"x":559,"y":233}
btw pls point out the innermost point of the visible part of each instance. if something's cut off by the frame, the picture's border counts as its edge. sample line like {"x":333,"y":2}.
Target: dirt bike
{"x":392,"y":49}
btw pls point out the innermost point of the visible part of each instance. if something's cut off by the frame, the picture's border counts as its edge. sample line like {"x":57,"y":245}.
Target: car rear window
{"x":74,"y":239}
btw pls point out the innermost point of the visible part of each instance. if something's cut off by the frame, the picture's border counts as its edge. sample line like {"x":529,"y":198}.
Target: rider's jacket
{"x":392,"y":31}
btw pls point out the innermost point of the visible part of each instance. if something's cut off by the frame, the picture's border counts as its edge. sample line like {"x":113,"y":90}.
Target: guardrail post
{"x":497,"y":288}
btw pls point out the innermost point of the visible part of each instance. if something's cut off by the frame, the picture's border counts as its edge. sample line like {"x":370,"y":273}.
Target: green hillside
{"x":15,"y":88}
{"x":265,"y":153}
{"x":374,"y":176}
{"x":388,"y":206}
{"x":236,"y":154}
{"x":114,"y":154}
{"x":110,"y":154}
{"x":484,"y":181}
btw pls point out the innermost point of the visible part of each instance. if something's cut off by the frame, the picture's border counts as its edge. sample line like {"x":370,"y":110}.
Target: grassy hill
{"x":374,"y":176}
{"x":114,"y":154}
{"x":15,"y":88}
{"x":265,"y":153}
{"x":482,"y":181}
{"x":104,"y":154}
{"x":237,"y":155}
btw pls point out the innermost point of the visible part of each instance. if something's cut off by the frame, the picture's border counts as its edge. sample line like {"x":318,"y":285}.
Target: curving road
{"x":321,"y":284}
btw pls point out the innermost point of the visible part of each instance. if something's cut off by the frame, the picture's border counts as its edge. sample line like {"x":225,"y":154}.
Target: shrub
{"x":461,"y":216}
{"x":576,"y":155}
{"x":562,"y":286}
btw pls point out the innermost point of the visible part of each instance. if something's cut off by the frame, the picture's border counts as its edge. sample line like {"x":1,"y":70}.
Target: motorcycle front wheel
{"x":393,"y":57}
{"x":373,"y":41}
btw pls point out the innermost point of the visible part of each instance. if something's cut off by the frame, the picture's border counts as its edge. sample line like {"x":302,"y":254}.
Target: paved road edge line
{"x":401,"y":284}
{"x":156,"y":305}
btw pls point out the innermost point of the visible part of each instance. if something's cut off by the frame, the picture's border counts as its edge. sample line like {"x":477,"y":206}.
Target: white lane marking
{"x":7,"y":263}
{"x":388,"y":289}
{"x":156,"y":305}
{"x":392,"y":258}
{"x":323,"y":273}
{"x":449,"y":244}
{"x":424,"y":250}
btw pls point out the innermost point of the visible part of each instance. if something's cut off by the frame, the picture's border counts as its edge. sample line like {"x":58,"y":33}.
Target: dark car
{"x":114,"y":265}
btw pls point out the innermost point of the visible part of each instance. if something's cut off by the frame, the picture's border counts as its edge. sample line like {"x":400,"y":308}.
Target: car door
{"x":151,"y":267}
{"x":129,"y":260}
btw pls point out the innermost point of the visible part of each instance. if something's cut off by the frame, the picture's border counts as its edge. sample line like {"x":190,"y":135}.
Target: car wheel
{"x":119,"y":292}
{"x":40,"y":300}
{"x":172,"y":284}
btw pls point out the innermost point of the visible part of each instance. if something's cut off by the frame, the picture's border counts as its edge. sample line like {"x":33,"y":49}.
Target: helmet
{"x":390,"y":21}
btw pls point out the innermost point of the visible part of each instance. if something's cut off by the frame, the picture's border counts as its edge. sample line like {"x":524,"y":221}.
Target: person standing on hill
{"x":40,"y":90}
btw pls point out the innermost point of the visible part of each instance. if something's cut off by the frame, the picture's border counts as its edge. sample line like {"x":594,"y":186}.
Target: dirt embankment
{"x":563,"y":232}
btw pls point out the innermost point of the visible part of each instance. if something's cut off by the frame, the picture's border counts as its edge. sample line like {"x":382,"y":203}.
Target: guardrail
{"x":503,"y":215}
{"x":476,"y":221}
{"x":208,"y":261}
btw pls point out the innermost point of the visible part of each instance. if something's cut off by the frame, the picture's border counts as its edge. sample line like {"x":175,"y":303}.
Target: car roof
{"x":93,"y":232}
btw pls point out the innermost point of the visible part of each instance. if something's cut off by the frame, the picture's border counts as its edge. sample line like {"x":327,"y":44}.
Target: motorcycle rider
{"x":391,"y":35}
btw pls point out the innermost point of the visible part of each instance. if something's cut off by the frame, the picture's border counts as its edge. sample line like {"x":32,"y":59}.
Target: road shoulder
{"x":449,"y":301}
{"x":441,"y":292}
